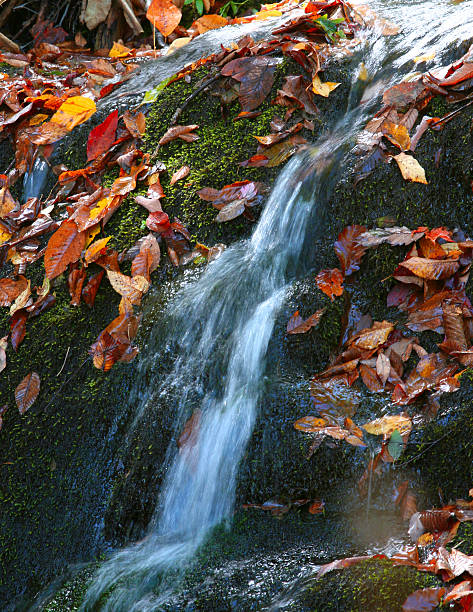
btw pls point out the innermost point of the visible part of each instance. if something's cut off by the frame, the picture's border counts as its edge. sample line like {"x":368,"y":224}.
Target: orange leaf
{"x":209,"y":22}
{"x":64,"y":247}
{"x":164,"y":15}
{"x":74,"y":111}
{"x":296,"y":324}
{"x":96,"y":250}
{"x":330,"y":282}
{"x":119,"y":50}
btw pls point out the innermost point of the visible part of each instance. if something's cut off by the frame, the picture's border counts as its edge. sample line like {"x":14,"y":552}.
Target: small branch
{"x":6,"y":11}
{"x":131,"y":17}
{"x":64,"y":362}
{"x":9,"y":44}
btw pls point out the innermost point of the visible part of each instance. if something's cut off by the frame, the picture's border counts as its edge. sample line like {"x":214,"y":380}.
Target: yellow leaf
{"x":119,"y":50}
{"x":91,"y":233}
{"x":398,"y":135}
{"x":4,"y":236}
{"x":410,"y":168}
{"x":322,"y":89}
{"x":73,"y":111}
{"x":130,"y":288}
{"x":267,"y":14}
{"x":37,"y":119}
{"x":424,"y":58}
{"x":101,"y":204}
{"x":387,"y":424}
{"x":94,"y":250}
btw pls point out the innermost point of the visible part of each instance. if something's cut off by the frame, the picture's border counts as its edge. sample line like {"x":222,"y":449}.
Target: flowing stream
{"x":224,"y":320}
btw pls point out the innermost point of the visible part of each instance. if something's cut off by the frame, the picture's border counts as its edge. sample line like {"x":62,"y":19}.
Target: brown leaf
{"x":96,"y":249}
{"x":190,"y":433}
{"x":230,"y":211}
{"x":383,"y":367}
{"x":179,"y":131}
{"x":391,"y":235}
{"x":256,"y":75}
{"x":296,"y":93}
{"x":297,"y":325}
{"x":424,"y":600}
{"x":141,"y":264}
{"x":370,"y":378}
{"x":64,"y":247}
{"x":90,"y":290}
{"x":10,"y":289}
{"x":347,"y":249}
{"x":330,"y":282}
{"x":404,"y":94}
{"x":276,"y":154}
{"x":373,"y":337}
{"x":135,"y":124}
{"x":75,"y":281}
{"x":3,"y":355}
{"x":180,"y":174}
{"x":454,"y":563}
{"x":431,"y":269}
{"x":106,"y":351}
{"x":27,"y":392}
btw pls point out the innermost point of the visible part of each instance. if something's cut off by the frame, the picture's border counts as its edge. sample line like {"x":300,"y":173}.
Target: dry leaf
{"x":410,"y":168}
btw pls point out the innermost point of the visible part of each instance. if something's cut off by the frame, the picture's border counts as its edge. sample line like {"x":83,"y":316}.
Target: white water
{"x":224,"y":322}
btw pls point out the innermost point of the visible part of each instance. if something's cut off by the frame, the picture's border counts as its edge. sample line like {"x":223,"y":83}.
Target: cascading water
{"x":224,"y":322}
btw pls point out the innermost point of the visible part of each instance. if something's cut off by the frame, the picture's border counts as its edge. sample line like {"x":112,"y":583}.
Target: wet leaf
{"x":106,"y":351}
{"x":410,"y":168}
{"x":323,"y":89}
{"x":297,"y":325}
{"x":373,"y":337}
{"x":209,"y":22}
{"x":141,"y":264}
{"x":296,"y":93}
{"x":431,"y":269}
{"x":96,"y":249}
{"x":275,"y":154}
{"x":317,"y":507}
{"x":119,"y":50}
{"x":10,"y":289}
{"x":404,"y":94}
{"x":386,"y":425}
{"x":180,"y":174}
{"x":396,"y":445}
{"x":22,"y":300}
{"x":424,"y":600}
{"x":18,"y":328}
{"x":74,"y":111}
{"x":231,"y":211}
{"x":135,"y":124}
{"x":102,"y":136}
{"x":90,"y":290}
{"x":130,"y":288}
{"x":75,"y":281}
{"x":392,"y":235}
{"x":184,"y":132}
{"x":330,"y":282}
{"x":256,"y":75}
{"x":190,"y":433}
{"x":64,"y":247}
{"x":27,"y":392}
{"x":454,"y":562}
{"x":348,"y":250}
{"x":164,"y":15}
{"x":3,"y":355}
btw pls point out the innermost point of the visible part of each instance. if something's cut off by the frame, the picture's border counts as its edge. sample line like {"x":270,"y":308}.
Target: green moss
{"x":371,"y":586}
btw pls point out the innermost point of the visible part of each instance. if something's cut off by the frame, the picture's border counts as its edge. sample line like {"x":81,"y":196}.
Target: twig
{"x":450,"y":115}
{"x":64,"y":362}
{"x":9,"y":44}
{"x":65,"y":382}
{"x":131,"y":17}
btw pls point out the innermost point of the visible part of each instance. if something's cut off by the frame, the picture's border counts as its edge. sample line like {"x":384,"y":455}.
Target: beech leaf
{"x":27,"y":392}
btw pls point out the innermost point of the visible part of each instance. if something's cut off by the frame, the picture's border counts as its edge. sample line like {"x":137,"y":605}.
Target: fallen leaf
{"x":74,"y":111}
{"x":3,"y":355}
{"x":297,"y":325}
{"x":209,"y":22}
{"x":190,"y":433}
{"x":386,"y":425}
{"x":392,"y":235}
{"x":372,"y":337}
{"x":135,"y":124}
{"x":90,"y":290}
{"x":18,"y":328}
{"x":348,"y":250}
{"x":410,"y":168}
{"x":130,"y":288}
{"x":96,"y":12}
{"x":256,"y":75}
{"x":164,"y":15}
{"x":27,"y":392}
{"x":119,"y":50}
{"x":64,"y":247}
{"x":179,"y":131}
{"x":10,"y":289}
{"x":180,"y":174}
{"x":431,"y":269}
{"x":102,"y":136}
{"x":424,"y":600}
{"x":323,"y":89}
{"x":96,"y":249}
{"x":330,"y":282}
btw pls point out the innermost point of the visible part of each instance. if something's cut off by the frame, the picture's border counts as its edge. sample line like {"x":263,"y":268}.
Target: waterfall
{"x":223,"y":323}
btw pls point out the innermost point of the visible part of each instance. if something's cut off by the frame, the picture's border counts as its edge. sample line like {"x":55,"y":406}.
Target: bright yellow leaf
{"x":39,"y":118}
{"x":91,"y":233}
{"x":322,"y":89}
{"x":4,"y":236}
{"x":74,"y":111}
{"x":410,"y":168}
{"x":267,"y":14}
{"x":424,"y":58}
{"x":97,"y":209}
{"x":119,"y":50}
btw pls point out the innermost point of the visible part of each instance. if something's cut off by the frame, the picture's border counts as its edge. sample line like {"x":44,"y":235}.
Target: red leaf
{"x":102,"y":136}
{"x":90,"y":290}
{"x":18,"y":328}
{"x":348,"y":251}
